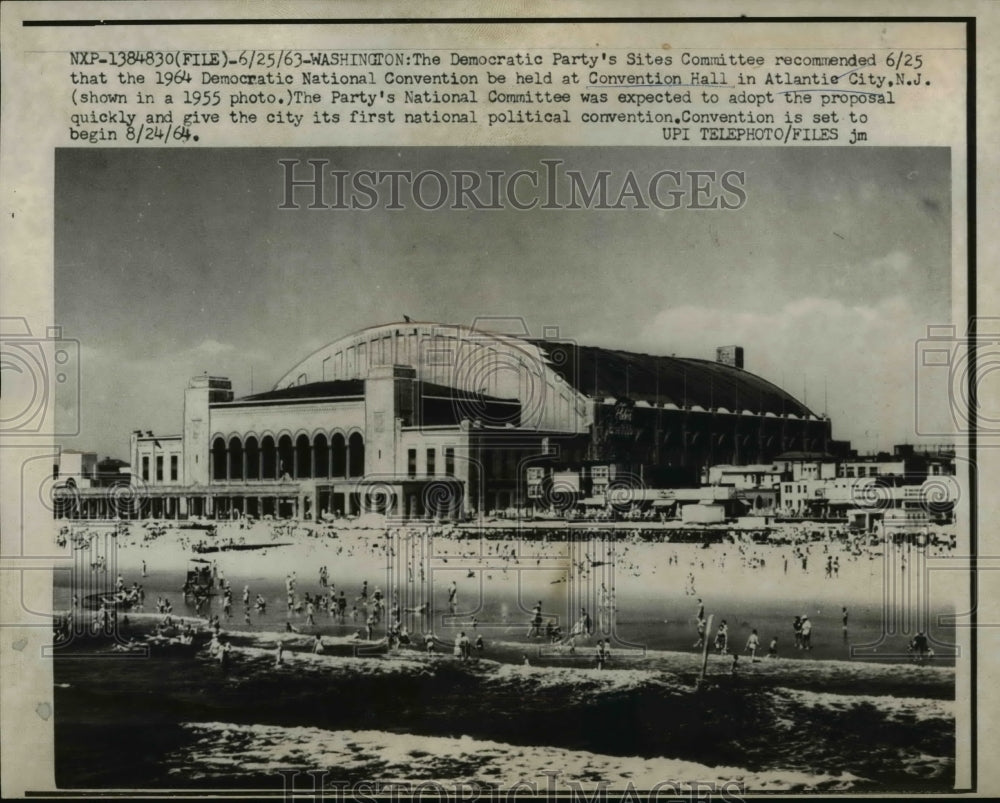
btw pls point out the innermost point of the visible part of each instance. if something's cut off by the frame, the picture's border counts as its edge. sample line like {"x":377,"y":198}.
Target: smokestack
{"x":730,"y":355}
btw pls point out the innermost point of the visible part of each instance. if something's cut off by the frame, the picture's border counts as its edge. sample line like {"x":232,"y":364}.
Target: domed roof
{"x":681,"y":381}
{"x":551,"y":378}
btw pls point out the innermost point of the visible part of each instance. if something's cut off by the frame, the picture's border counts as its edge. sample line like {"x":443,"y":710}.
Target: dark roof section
{"x":824,"y":456}
{"x":311,"y":390}
{"x":356,"y":387}
{"x":445,"y":406}
{"x":682,"y":381}
{"x":434,"y":389}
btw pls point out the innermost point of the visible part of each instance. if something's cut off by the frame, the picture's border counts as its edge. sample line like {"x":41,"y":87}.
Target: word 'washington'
{"x":311,"y":184}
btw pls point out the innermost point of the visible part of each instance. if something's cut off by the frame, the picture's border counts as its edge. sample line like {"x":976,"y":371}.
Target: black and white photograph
{"x":556,"y":468}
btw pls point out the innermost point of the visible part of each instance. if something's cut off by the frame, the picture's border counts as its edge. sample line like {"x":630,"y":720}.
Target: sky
{"x":171,"y":262}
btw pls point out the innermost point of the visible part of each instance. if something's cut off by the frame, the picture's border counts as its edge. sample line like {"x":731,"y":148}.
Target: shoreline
{"x":345,"y":652}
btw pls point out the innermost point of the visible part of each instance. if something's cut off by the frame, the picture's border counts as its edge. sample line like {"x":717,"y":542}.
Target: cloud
{"x":212,"y":348}
{"x":897,"y":262}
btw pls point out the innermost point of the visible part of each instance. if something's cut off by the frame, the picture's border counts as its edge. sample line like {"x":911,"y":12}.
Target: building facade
{"x":431,"y":420}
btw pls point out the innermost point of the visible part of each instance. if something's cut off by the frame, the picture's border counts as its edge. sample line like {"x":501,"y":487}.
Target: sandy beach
{"x":853,"y":713}
{"x":642,"y":593}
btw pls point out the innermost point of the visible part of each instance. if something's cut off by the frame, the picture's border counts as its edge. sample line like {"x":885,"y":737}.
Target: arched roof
{"x":474,"y":361}
{"x":553,"y":379}
{"x":682,"y":381}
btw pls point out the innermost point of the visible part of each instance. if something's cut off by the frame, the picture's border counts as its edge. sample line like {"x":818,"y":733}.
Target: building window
{"x":431,"y":459}
{"x":173,"y":467}
{"x":449,"y":462}
{"x":411,"y":462}
{"x":159,"y":468}
{"x":145,"y":467}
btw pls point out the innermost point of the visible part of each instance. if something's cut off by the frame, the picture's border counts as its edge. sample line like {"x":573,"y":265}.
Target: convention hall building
{"x":421,"y":420}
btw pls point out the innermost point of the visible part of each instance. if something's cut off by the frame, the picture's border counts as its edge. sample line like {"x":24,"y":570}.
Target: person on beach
{"x":797,"y":631}
{"x":806,"y":633}
{"x":701,"y":610}
{"x":843,"y":616}
{"x":701,"y":634}
{"x":535,"y":625}
{"x":599,"y":654}
{"x":919,"y":646}
{"x":453,"y":597}
{"x":261,"y":605}
{"x":246,"y":596}
{"x":579,"y":629}
{"x":480,"y":645}
{"x":310,"y":611}
{"x":753,"y":644}
{"x":279,"y":654}
{"x":342,"y":607}
{"x":722,"y":638}
{"x":318,"y":645}
{"x":429,"y":643}
{"x":772,"y":648}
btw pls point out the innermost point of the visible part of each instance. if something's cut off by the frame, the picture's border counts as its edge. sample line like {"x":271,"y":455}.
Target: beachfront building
{"x":75,"y":468}
{"x":423,"y":420}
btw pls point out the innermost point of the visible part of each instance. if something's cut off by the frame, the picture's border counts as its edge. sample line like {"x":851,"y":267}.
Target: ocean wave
{"x":218,"y":749}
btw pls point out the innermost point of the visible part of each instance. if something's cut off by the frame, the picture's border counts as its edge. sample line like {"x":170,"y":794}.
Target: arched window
{"x":303,"y":457}
{"x":338,"y":466}
{"x":321,"y":452}
{"x":356,"y":453}
{"x":235,"y":459}
{"x":285,"y":456}
{"x":269,"y":458}
{"x":218,"y":459}
{"x":252,"y":449}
